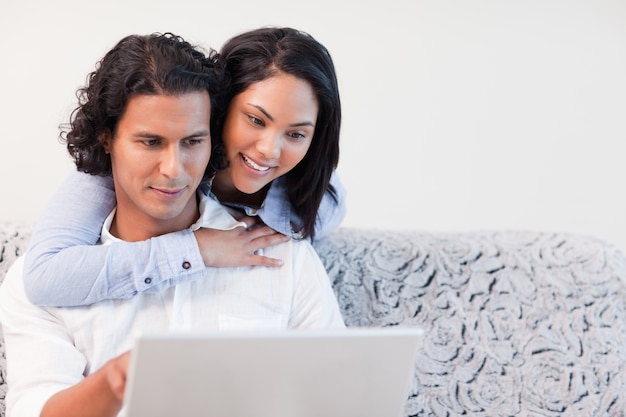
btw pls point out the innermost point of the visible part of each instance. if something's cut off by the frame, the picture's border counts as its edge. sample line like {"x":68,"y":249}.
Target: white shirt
{"x":50,"y":349}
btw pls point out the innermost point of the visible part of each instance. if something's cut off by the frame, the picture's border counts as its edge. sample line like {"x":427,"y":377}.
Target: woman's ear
{"x":105,"y":139}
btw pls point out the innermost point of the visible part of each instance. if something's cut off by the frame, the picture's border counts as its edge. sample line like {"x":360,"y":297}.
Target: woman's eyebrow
{"x":262,"y":110}
{"x":269,"y":116}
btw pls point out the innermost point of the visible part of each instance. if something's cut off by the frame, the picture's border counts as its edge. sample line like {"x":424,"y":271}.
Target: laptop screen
{"x":357,"y":372}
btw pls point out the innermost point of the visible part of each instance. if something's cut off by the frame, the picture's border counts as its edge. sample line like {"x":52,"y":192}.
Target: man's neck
{"x":130,"y":227}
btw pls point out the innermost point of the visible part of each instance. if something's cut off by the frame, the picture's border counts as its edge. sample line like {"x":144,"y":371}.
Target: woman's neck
{"x":226,"y":192}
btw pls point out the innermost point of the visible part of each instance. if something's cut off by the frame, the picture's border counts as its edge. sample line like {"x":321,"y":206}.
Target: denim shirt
{"x":64,"y":266}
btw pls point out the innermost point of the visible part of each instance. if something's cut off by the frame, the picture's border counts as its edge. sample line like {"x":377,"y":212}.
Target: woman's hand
{"x":237,"y":247}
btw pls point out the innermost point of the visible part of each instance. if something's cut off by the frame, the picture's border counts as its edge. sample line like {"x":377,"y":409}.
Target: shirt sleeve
{"x":278,"y":213}
{"x":331,"y":212}
{"x":33,"y":333}
{"x":65,"y":267}
{"x":314,"y":302}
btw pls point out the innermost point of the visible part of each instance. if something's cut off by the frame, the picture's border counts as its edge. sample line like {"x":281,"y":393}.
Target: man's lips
{"x":170,"y":193}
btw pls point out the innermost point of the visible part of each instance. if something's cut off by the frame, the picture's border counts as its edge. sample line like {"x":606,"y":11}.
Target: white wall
{"x":459,"y":115}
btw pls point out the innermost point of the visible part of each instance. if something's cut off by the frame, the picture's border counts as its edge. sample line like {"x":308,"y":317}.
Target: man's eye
{"x":193,"y":142}
{"x":151,"y":142}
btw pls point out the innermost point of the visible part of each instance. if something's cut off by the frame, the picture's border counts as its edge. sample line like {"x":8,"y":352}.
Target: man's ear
{"x":105,"y":139}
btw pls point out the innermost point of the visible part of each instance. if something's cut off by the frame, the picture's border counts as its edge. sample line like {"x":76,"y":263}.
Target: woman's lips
{"x":249,"y":162}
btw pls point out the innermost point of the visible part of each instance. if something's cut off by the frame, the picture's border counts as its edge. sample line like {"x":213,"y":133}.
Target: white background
{"x":459,"y":115}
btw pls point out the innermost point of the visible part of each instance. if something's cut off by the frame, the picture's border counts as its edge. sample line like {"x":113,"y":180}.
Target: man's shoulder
{"x":15,"y":270}
{"x":303,"y":252}
{"x":13,"y":286}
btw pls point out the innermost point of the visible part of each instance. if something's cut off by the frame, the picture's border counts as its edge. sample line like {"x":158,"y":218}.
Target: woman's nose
{"x":270,"y":145}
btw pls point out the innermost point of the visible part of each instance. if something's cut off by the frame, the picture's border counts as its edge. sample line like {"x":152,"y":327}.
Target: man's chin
{"x":166,"y":214}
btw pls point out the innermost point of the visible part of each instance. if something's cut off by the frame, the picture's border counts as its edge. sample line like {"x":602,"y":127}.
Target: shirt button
{"x":186,"y":265}
{"x":147,"y":280}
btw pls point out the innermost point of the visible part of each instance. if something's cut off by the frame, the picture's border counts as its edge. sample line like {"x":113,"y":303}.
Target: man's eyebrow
{"x":200,"y":133}
{"x":269,"y":116}
{"x":148,"y":135}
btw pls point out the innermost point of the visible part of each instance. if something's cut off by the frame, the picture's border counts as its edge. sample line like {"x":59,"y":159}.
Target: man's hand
{"x":101,"y":394}
{"x":237,"y":247}
{"x":116,"y":370}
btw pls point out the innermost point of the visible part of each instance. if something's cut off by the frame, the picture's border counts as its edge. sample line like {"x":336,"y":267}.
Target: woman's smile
{"x":248,"y":161}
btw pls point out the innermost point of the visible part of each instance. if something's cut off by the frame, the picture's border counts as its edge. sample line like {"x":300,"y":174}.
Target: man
{"x":151,"y":98}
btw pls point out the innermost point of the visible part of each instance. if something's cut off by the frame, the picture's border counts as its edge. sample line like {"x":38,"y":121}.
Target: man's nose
{"x":171,"y":162}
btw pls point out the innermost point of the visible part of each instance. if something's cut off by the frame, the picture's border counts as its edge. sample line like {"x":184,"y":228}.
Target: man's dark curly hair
{"x":155,"y":64}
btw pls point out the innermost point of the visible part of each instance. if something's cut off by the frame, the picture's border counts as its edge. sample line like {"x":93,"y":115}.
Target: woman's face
{"x":267,"y":132}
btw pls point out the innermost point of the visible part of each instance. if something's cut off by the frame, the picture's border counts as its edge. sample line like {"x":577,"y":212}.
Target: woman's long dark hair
{"x":259,"y":54}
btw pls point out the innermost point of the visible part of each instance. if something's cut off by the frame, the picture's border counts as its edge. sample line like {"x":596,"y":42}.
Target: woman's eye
{"x":255,"y":120}
{"x":297,"y":135}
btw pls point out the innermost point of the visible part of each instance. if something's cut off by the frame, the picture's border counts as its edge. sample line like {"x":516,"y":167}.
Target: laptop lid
{"x":357,"y":372}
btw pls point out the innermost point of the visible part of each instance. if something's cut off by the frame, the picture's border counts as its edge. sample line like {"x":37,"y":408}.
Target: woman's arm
{"x":64,"y":267}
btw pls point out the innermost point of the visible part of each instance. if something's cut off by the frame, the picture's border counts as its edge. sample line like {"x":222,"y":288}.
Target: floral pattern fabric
{"x":516,"y":323}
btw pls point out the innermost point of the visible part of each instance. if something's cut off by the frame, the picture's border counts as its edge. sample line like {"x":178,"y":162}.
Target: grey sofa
{"x":516,"y":323}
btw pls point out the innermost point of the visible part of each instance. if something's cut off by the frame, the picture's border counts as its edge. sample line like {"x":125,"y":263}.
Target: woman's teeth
{"x":252,"y":164}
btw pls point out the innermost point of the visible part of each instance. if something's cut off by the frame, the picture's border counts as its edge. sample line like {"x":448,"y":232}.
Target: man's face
{"x":159,"y":153}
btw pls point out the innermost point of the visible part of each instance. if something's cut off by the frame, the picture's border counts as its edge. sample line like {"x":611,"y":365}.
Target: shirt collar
{"x":212,"y":214}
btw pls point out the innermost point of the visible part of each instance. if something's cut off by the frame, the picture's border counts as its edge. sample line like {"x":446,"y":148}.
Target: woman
{"x":281,"y":146}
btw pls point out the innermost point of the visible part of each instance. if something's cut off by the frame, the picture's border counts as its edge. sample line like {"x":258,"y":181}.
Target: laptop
{"x":356,"y":372}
